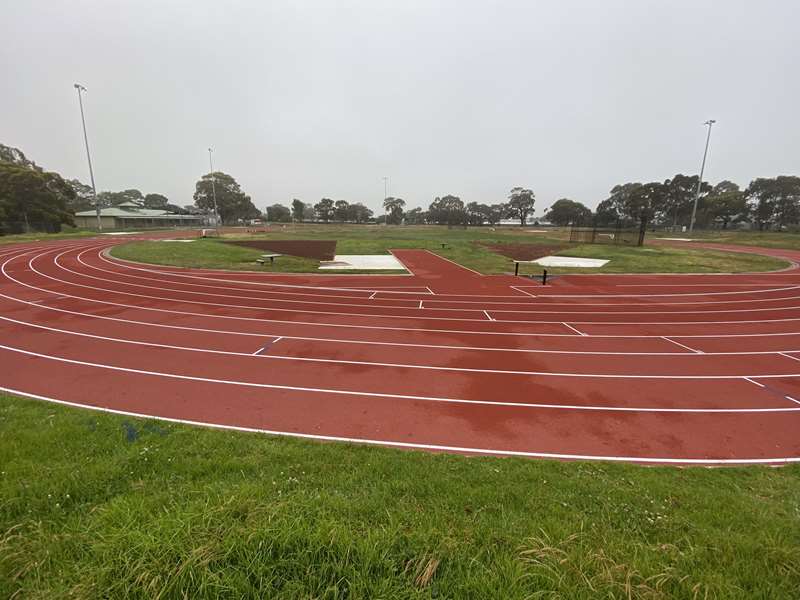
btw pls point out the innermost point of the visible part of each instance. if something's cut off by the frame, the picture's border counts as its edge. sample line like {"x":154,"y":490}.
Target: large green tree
{"x":84,"y":196}
{"x":612,"y":210}
{"x":15,"y":156}
{"x":33,"y":199}
{"x":678,"y":201}
{"x":566,"y":211}
{"x":298,"y":206}
{"x":416,"y":216}
{"x":341,"y":210}
{"x":394,"y":210}
{"x":775,"y":201}
{"x":725,"y":203}
{"x":477,"y":213}
{"x":358,"y":213}
{"x":157,"y":201}
{"x":645,"y":202}
{"x":447,"y":210}
{"x":278,"y":213}
{"x":520,"y":204}
{"x":232,"y":202}
{"x":324,"y":210}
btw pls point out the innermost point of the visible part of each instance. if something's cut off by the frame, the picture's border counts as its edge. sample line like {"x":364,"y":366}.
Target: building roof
{"x":132,"y":211}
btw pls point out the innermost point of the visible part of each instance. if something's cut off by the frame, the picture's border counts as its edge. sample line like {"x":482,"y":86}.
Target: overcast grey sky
{"x":312,"y":99}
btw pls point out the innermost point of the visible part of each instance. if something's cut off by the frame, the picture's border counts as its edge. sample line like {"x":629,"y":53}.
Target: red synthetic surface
{"x":675,"y":369}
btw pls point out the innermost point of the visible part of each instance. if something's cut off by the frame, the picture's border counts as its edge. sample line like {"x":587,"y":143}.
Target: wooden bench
{"x":271,"y":257}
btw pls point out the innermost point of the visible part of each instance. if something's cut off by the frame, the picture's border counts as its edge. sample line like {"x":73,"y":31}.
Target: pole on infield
{"x":544,"y":276}
{"x":516,"y":268}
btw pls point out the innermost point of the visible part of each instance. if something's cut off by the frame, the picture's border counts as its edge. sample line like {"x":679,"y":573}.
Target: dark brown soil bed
{"x":525,"y":251}
{"x":319,"y":249}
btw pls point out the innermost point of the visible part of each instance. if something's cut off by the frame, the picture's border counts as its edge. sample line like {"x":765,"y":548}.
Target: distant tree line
{"x":767,"y":203}
{"x":32,"y":198}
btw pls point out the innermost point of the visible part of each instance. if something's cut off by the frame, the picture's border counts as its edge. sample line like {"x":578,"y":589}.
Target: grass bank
{"x":98,"y":505}
{"x":17,"y":238}
{"x":468,"y":247}
{"x":765,"y":239}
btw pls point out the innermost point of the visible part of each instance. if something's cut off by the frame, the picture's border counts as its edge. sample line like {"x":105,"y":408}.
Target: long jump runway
{"x":658,"y":369}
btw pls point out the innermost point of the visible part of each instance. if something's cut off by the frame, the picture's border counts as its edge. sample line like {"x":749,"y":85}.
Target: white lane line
{"x":322,"y":298}
{"x":430,"y":290}
{"x":573,"y":329}
{"x":420,"y":304}
{"x":693,"y":285}
{"x":372,"y":342}
{"x":256,"y":353}
{"x":789,"y":356}
{"x":102,"y":257}
{"x":400,"y":316}
{"x":753,"y":381}
{"x":453,"y":262}
{"x":488,"y":316}
{"x":373,"y":295}
{"x":390,"y":443}
{"x":317,"y":339}
{"x":780,"y":289}
{"x":519,"y":289}
{"x":793,"y":399}
{"x":395,"y":396}
{"x":682,"y":345}
{"x":359,"y":326}
{"x":363,"y":363}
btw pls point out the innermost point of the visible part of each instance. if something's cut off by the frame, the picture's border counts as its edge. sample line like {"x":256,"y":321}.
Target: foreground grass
{"x":97,"y":505}
{"x":467,"y":247}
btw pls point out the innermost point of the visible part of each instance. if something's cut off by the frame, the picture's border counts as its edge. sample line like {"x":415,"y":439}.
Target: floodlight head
{"x":710,"y":122}
{"x":78,"y":86}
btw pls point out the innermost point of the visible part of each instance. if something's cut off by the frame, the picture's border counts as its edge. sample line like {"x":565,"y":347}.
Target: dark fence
{"x":616,"y":235}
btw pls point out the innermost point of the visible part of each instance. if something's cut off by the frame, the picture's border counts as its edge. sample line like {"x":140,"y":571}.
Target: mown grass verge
{"x":464,"y":246}
{"x":98,"y":505}
{"x":766,"y":239}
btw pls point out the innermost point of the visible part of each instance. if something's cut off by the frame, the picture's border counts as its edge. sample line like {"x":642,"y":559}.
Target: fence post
{"x":642,"y":229}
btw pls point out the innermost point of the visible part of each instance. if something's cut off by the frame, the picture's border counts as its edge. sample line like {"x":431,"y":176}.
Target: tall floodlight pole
{"x":80,"y":89}
{"x":385,"y":196}
{"x":709,"y":123}
{"x":213,"y":190}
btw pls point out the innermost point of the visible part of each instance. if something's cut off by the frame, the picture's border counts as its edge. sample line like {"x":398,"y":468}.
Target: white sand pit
{"x":677,"y":239}
{"x":184,"y":241}
{"x":378,"y":262}
{"x":120,"y":233}
{"x":570,"y":261}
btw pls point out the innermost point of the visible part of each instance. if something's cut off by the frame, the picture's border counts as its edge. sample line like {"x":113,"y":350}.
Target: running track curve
{"x":658,"y":369}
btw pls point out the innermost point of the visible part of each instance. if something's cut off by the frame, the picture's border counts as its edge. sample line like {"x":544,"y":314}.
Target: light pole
{"x":385,"y":196}
{"x":709,"y":123}
{"x":80,"y":89}
{"x":213,"y":190}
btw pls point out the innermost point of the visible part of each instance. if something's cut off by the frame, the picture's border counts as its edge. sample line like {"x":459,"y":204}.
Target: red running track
{"x":647,"y":368}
